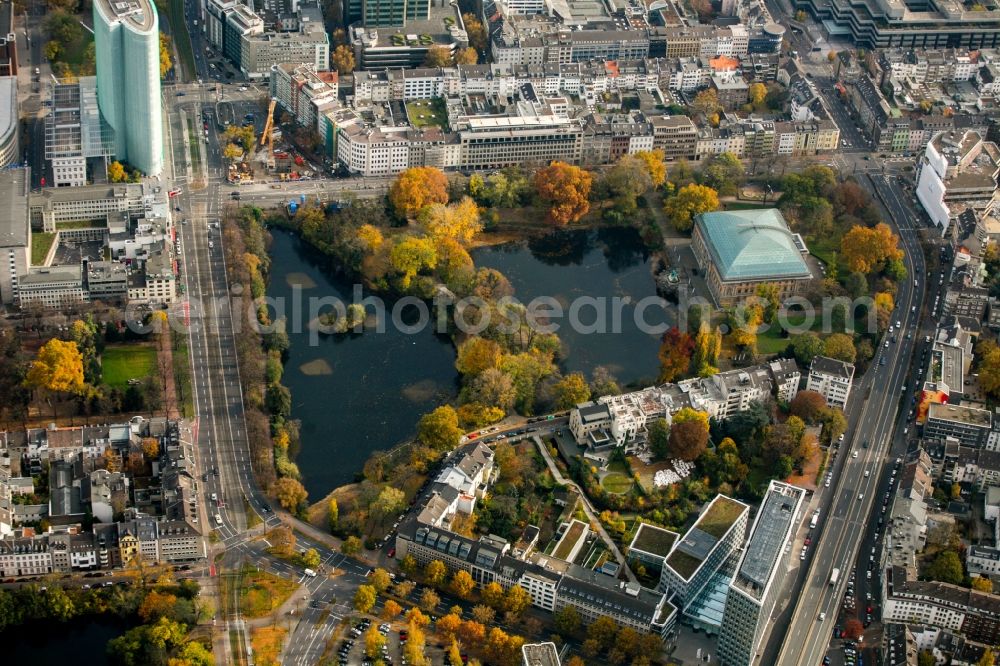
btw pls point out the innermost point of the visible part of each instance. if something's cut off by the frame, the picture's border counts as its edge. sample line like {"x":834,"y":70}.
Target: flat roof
{"x":962,"y":413}
{"x":766,"y":547}
{"x":8,"y":105}
{"x":140,"y":15}
{"x":653,"y":540}
{"x":14,"y":187}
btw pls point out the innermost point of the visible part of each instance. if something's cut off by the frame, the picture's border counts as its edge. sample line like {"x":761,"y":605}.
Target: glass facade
{"x":127,"y":41}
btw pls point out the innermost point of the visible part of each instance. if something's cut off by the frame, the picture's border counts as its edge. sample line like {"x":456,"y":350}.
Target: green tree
{"x":389,"y":502}
{"x":723,"y":173}
{"x":841,"y":347}
{"x":659,"y":438}
{"x":946,"y":568}
{"x":567,"y":620}
{"x":806,"y":347}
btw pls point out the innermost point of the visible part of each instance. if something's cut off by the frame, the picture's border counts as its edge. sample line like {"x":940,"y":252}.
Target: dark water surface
{"x":356,"y":394}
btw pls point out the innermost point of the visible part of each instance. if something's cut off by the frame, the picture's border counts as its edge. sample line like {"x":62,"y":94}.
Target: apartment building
{"x":303,"y":91}
{"x":498,"y":142}
{"x":756,"y":585}
{"x":831,"y":378}
{"x":676,"y":136}
{"x":975,"y":614}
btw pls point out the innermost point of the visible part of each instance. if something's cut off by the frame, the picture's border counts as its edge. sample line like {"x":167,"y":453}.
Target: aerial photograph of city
{"x":500,"y":332}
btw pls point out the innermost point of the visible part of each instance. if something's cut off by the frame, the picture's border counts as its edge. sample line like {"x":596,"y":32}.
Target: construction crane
{"x":266,"y":135}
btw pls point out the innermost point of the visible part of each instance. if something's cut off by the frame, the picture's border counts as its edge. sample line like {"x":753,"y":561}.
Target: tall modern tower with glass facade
{"x":127,"y":43}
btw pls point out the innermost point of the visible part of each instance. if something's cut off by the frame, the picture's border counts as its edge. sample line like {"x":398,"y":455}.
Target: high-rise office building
{"x":375,"y":13}
{"x":757,"y":582}
{"x":127,"y":42}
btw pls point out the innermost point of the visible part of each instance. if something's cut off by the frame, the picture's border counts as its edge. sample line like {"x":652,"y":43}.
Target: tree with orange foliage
{"x":418,"y":187}
{"x":676,"y":350}
{"x":567,"y":190}
{"x":866,"y":248}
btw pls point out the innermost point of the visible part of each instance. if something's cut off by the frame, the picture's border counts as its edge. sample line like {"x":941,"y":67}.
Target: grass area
{"x":121,"y":363}
{"x":427,"y":113}
{"x":720,"y":516}
{"x":82,"y":224}
{"x":683,"y":563}
{"x":194,"y":140}
{"x":182,"y":373}
{"x":253,"y":520}
{"x":654,"y":540}
{"x":174,"y":12}
{"x":616,"y":483}
{"x":771,"y":341}
{"x":573,"y":534}
{"x":261,"y":593}
{"x":41,"y":243}
{"x":647,"y":472}
{"x":826,"y":249}
{"x":266,"y":643}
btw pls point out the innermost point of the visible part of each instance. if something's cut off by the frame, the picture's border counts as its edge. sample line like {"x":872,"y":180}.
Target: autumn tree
{"x":364,"y":598}
{"x":757,"y":93}
{"x":448,"y":625}
{"x":116,"y":172}
{"x":566,"y":188}
{"x":475,"y":30}
{"x":688,"y":434}
{"x":439,"y":429}
{"x":492,"y":594}
{"x":429,"y":600}
{"x":374,"y":641}
{"x":166,"y":64}
{"x":841,"y":347}
{"x":417,"y":187}
{"x":571,"y":390}
{"x":311,"y":559}
{"x":57,"y":368}
{"x":676,"y":349}
{"x":410,"y":256}
{"x":462,"y":584}
{"x":391,"y":610}
{"x":982,"y":584}
{"x":435,"y":572}
{"x":655,"y":166}
{"x":603,"y":630}
{"x":516,"y":600}
{"x":474,"y":415}
{"x":370,"y":237}
{"x":476,"y":355}
{"x":808,"y":406}
{"x":343,"y":59}
{"x":707,"y":346}
{"x":351,"y":546}
{"x":865,"y":249}
{"x":438,"y":55}
{"x":151,"y":448}
{"x":852,"y":629}
{"x":466,"y":56}
{"x":459,"y":220}
{"x":988,"y":360}
{"x":290,"y":493}
{"x":690,"y":201}
{"x":706,"y":102}
{"x":380,"y":580}
{"x":567,"y":620}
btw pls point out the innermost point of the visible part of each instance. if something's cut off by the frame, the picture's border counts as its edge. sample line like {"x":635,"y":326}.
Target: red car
{"x":392,"y":552}
{"x":808,"y":541}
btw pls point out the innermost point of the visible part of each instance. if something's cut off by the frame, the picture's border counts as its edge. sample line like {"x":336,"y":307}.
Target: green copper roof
{"x":751,"y":244}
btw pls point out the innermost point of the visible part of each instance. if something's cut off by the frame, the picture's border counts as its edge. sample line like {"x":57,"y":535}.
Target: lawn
{"x":654,"y":540}
{"x":121,"y":363}
{"x":572,"y":535}
{"x":182,"y":374}
{"x":41,"y":242}
{"x":427,"y":113}
{"x":262,"y":592}
{"x":266,"y":643}
{"x":720,"y":516}
{"x":616,"y":483}
{"x":82,"y":224}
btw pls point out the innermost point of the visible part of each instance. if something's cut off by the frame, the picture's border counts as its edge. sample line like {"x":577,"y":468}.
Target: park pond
{"x":41,"y":643}
{"x":358,"y":393}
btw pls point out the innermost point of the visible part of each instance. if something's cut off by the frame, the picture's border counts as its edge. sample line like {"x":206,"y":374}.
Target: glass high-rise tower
{"x":127,"y":44}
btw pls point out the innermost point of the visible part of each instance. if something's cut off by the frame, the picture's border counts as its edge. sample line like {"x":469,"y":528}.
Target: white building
{"x":958,"y":171}
{"x":832,"y":379}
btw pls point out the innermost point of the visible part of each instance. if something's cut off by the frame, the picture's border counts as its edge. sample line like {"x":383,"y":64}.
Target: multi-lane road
{"x":851,"y":511}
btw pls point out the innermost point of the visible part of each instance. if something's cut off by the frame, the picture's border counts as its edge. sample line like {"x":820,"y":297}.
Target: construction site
{"x":264,"y":161}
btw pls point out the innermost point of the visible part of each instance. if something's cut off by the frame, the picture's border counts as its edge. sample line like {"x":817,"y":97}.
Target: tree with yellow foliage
{"x":116,"y":172}
{"x":657,"y":169}
{"x":757,"y":93}
{"x":290,"y":493}
{"x":566,"y":188}
{"x":370,"y":237}
{"x":864,"y":249}
{"x":477,"y":355}
{"x":459,"y":220}
{"x":418,"y":187}
{"x":475,"y":415}
{"x":166,"y":64}
{"x":466,"y":56}
{"x":690,"y":200}
{"x":410,"y":256}
{"x":343,"y":59}
{"x":57,"y":368}
{"x":151,"y":448}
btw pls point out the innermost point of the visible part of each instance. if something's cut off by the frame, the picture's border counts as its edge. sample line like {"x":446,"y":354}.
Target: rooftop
{"x":653,"y":540}
{"x":962,"y":413}
{"x":14,"y":186}
{"x":139,"y":15}
{"x":540,"y":654}
{"x":832,"y":366}
{"x":767,"y":539}
{"x":751,"y":244}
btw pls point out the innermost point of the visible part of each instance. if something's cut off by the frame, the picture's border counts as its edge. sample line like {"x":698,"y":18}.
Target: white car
{"x":822,"y":616}
{"x":866,"y":473}
{"x":854,"y":455}
{"x":860,"y":497}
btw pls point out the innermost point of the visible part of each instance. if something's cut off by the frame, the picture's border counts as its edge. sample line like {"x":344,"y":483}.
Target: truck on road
{"x":834,"y":575}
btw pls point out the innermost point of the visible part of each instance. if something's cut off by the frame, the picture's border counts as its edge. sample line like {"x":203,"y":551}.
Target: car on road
{"x":867,"y":472}
{"x":854,"y":454}
{"x":860,"y":496}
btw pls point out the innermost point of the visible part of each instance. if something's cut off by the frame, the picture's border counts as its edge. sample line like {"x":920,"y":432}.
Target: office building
{"x":739,"y":250}
{"x":76,"y":136}
{"x":757,"y":582}
{"x":10,"y":144}
{"x":499,"y":142}
{"x":879,"y":24}
{"x":704,"y":549}
{"x":53,"y":287}
{"x":15,"y":231}
{"x":127,"y":43}
{"x":969,"y":425}
{"x":305,"y":93}
{"x":831,"y":378}
{"x":375,"y":13}
{"x":958,"y":172}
